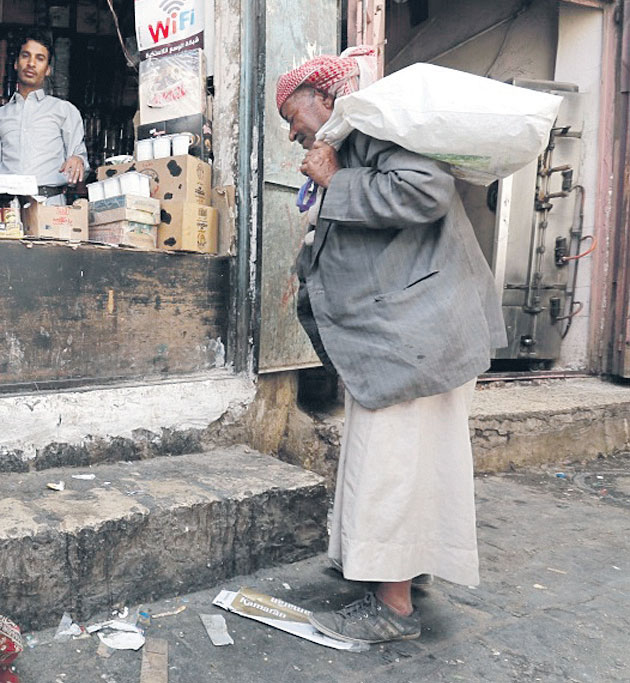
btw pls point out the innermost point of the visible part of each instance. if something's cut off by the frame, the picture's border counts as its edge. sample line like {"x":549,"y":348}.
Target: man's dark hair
{"x":41,"y":37}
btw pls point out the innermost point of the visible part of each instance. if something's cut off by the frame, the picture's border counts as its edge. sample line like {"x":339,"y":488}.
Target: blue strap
{"x":307,"y":196}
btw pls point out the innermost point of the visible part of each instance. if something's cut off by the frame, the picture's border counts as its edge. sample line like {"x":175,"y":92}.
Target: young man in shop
{"x":41,"y":135}
{"x":396,"y":294}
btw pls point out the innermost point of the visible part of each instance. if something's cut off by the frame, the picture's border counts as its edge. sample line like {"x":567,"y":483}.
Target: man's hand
{"x":73,"y":170}
{"x":320,"y":163}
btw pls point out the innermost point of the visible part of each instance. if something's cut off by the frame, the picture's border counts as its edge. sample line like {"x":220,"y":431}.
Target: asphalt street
{"x":553,"y":604}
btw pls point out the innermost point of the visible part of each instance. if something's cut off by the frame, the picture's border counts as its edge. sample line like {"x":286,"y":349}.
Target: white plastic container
{"x":162,"y":147}
{"x":144,"y":150}
{"x":96,"y":191}
{"x":145,"y":185}
{"x":181,"y":142}
{"x":112,"y":187}
{"x":130,"y":183}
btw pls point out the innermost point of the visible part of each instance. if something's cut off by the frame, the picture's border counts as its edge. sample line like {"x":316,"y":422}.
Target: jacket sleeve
{"x":393,"y":188}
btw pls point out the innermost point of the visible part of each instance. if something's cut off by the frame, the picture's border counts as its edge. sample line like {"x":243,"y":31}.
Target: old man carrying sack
{"x":396,"y":295}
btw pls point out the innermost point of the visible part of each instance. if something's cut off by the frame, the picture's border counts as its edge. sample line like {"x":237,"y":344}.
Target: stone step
{"x":142,"y":530}
{"x":123,"y":421}
{"x":511,"y":424}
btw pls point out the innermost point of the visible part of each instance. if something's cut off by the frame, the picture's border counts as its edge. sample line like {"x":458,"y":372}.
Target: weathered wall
{"x":225,"y":115}
{"x":579,"y":60}
{"x":91,"y":313}
{"x":124,"y":422}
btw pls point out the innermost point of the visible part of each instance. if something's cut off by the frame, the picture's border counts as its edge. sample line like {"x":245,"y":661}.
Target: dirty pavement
{"x":552,"y":605}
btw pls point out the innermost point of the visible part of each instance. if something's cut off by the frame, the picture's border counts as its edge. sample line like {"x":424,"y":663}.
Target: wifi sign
{"x":169,"y":6}
{"x":177,"y":20}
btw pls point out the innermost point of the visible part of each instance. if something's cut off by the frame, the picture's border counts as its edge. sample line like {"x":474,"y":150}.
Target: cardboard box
{"x":17,"y":11}
{"x":172,"y":86}
{"x":164,"y":28}
{"x":11,"y":226}
{"x":58,"y":222}
{"x":183,"y":178}
{"x":124,"y":208}
{"x":125,"y":233}
{"x":188,"y":227}
{"x":198,"y":126}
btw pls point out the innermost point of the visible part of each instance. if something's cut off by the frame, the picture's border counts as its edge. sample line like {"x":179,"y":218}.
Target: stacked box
{"x":57,"y":222}
{"x":187,"y":226}
{"x":125,"y":220}
{"x":182,"y":185}
{"x":183,"y":178}
{"x":126,"y":234}
{"x":126,"y":207}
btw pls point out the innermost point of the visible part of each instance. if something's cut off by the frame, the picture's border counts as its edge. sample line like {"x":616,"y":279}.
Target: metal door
{"x":296,"y":31}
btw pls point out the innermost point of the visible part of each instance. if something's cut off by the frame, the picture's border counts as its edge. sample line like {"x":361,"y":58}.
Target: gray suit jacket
{"x":395,"y":289}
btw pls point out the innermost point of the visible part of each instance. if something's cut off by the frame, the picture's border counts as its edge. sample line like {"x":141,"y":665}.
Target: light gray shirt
{"x":38,"y":135}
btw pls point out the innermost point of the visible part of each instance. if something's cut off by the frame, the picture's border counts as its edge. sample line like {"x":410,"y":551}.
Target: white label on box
{"x":166,"y":27}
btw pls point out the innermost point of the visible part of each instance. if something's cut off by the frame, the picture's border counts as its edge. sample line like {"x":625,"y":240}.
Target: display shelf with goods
{"x":96,"y":68}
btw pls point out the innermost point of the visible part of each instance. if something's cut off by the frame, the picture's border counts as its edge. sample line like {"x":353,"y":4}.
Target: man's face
{"x":32,"y":65}
{"x":306,"y":111}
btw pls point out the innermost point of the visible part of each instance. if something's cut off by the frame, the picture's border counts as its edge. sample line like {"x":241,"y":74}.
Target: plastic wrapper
{"x":173,"y":86}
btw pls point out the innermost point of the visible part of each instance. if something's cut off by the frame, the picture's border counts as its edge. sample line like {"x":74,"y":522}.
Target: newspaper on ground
{"x":279,"y":614}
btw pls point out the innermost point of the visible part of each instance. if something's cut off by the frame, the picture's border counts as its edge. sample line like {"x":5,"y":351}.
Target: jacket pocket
{"x":415,"y":281}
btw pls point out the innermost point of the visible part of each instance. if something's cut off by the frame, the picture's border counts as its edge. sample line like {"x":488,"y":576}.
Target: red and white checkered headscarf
{"x":333,"y":75}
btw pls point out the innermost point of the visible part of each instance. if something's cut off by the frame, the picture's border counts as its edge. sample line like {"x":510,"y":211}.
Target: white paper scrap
{"x":123,"y":640}
{"x":279,"y":614}
{"x":84,"y":477}
{"x":57,"y":485}
{"x":217,"y":629}
{"x":67,"y":629}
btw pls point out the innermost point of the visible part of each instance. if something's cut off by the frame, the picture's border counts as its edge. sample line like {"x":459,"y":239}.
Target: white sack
{"x":483,"y":128}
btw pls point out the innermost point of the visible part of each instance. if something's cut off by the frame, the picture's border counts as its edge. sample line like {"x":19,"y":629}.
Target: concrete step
{"x":512,"y":424}
{"x":548,"y":422}
{"x":143,"y":530}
